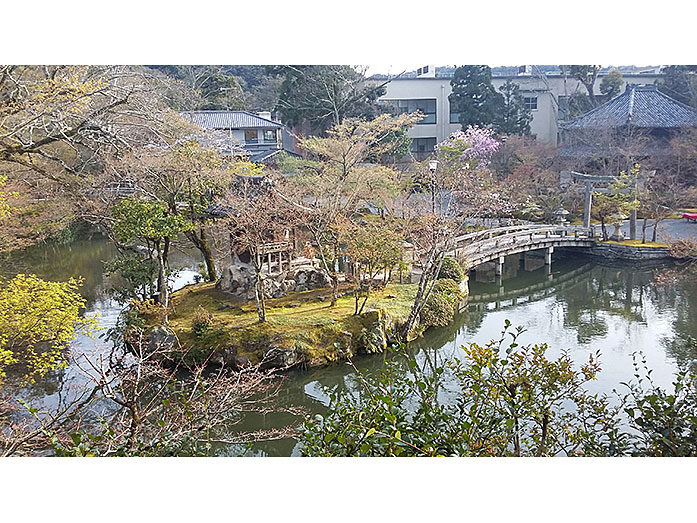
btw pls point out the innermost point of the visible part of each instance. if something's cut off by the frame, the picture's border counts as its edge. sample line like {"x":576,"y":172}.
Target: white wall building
{"x":543,"y":94}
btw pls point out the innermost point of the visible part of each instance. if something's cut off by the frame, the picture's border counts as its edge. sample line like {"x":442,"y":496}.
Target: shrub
{"x":438,"y":311}
{"x":201,"y":322}
{"x":451,"y":270}
{"x":685,"y":248}
{"x":448,"y":288}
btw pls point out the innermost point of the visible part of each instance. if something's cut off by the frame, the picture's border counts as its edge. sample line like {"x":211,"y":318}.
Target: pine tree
{"x":513,"y":117}
{"x":474,"y":96}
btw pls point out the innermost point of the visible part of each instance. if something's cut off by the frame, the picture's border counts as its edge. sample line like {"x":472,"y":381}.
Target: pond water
{"x":580,"y":306}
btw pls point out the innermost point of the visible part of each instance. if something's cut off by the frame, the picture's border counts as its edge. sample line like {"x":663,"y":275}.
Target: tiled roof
{"x":229,"y":120}
{"x":641,"y":106}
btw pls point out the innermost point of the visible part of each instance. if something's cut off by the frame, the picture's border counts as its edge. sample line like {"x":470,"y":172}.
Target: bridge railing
{"x":486,"y":234}
{"x":506,"y":237}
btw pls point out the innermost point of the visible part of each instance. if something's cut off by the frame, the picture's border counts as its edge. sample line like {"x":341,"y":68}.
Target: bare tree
{"x":330,"y":187}
{"x":459,"y":189}
{"x":256,"y":218}
{"x":138,"y":402}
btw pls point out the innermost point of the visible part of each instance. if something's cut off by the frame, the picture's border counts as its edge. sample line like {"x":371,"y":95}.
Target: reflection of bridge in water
{"x":536,"y":292}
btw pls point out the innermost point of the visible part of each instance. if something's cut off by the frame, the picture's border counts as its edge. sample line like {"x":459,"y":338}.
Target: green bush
{"x":201,"y":322}
{"x":438,"y":311}
{"x":449,"y":288}
{"x":451,"y":270}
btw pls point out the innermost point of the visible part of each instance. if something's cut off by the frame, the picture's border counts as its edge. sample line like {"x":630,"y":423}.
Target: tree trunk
{"x":259,"y":300}
{"x":367,"y":295}
{"x":602,"y":225}
{"x":162,"y":277}
{"x":200,"y":241}
{"x":644,"y":226}
{"x":335,"y":280}
{"x":545,"y":424}
{"x":426,"y":282}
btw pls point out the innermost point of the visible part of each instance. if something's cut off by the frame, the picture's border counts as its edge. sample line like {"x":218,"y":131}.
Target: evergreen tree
{"x":611,"y":84}
{"x":320,"y":96}
{"x":587,"y":75}
{"x":513,"y":117}
{"x":474,"y":97}
{"x":680,"y":82}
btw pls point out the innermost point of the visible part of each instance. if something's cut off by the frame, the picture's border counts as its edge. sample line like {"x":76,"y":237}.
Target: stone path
{"x":667,"y":230}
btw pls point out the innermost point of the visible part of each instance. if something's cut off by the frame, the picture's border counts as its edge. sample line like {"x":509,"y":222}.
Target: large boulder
{"x":239,"y":279}
{"x":308,"y":278}
{"x":161,"y":339}
{"x":279,"y":358}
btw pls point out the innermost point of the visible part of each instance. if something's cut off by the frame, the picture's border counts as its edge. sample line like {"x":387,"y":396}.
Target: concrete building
{"x":546,"y":95}
{"x":241,"y":132}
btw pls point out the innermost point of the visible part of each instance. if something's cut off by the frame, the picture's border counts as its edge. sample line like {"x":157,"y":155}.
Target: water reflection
{"x":81,"y":259}
{"x":578,"y":305}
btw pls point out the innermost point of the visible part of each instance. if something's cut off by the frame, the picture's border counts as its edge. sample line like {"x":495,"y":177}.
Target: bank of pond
{"x":580,"y":304}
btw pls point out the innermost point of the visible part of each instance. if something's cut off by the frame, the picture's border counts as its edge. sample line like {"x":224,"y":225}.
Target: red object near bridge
{"x":690,"y":216}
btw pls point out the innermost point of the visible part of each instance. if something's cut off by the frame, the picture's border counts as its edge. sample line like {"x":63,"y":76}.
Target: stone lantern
{"x":617,"y":235}
{"x":561,"y":215}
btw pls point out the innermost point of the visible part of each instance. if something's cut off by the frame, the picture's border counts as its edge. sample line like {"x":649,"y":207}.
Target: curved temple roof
{"x":642,"y":106}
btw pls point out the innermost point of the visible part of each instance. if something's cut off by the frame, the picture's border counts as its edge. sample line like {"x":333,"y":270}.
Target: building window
{"x":454,"y":117}
{"x":422,"y":147}
{"x":270,"y":136}
{"x":425,"y":105}
{"x":251,"y":136}
{"x":530,"y":102}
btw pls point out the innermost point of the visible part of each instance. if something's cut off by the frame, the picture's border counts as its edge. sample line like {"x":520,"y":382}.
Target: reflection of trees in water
{"x":681,"y":297}
{"x":81,"y":259}
{"x":615,"y":291}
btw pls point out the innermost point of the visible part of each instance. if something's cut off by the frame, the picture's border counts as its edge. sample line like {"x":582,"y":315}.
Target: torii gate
{"x":591,"y":181}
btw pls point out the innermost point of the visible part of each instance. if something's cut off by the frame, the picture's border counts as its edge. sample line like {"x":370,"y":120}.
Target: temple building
{"x":637,"y":125}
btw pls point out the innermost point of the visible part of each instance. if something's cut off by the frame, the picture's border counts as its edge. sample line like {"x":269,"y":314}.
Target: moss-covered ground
{"x":304,"y":321}
{"x":637,"y":243}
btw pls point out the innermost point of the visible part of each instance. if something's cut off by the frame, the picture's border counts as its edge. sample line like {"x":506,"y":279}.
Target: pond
{"x":580,"y":306}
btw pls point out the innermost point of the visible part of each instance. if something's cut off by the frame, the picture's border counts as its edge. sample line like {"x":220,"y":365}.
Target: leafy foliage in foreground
{"x":37,"y":320}
{"x":510,"y":400}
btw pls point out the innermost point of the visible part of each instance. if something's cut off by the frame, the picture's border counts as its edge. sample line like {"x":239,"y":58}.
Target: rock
{"x":391,"y":296}
{"x":236,"y":327}
{"x":279,"y":357}
{"x":226,"y":357}
{"x":322,"y":298}
{"x":223,"y":307}
{"x":237,"y":279}
{"x":293,"y":305}
{"x":161,"y":339}
{"x":242,"y":361}
{"x":375,"y":336}
{"x":308,"y":278}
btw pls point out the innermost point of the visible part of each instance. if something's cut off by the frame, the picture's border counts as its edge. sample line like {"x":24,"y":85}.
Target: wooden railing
{"x":479,"y":245}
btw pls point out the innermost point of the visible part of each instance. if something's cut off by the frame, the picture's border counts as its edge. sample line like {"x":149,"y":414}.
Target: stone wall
{"x":628,"y":252}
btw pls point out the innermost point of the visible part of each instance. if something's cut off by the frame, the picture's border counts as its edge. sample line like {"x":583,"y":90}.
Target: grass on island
{"x":579,"y":221}
{"x":637,"y":243}
{"x":298,"y":320}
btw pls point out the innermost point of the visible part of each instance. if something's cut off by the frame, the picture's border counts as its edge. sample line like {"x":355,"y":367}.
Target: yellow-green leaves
{"x":4,"y":197}
{"x":38,"y":318}
{"x":147,"y":219}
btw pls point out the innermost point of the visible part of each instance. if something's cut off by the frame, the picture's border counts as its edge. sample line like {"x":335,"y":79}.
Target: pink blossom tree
{"x":458,"y":187}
